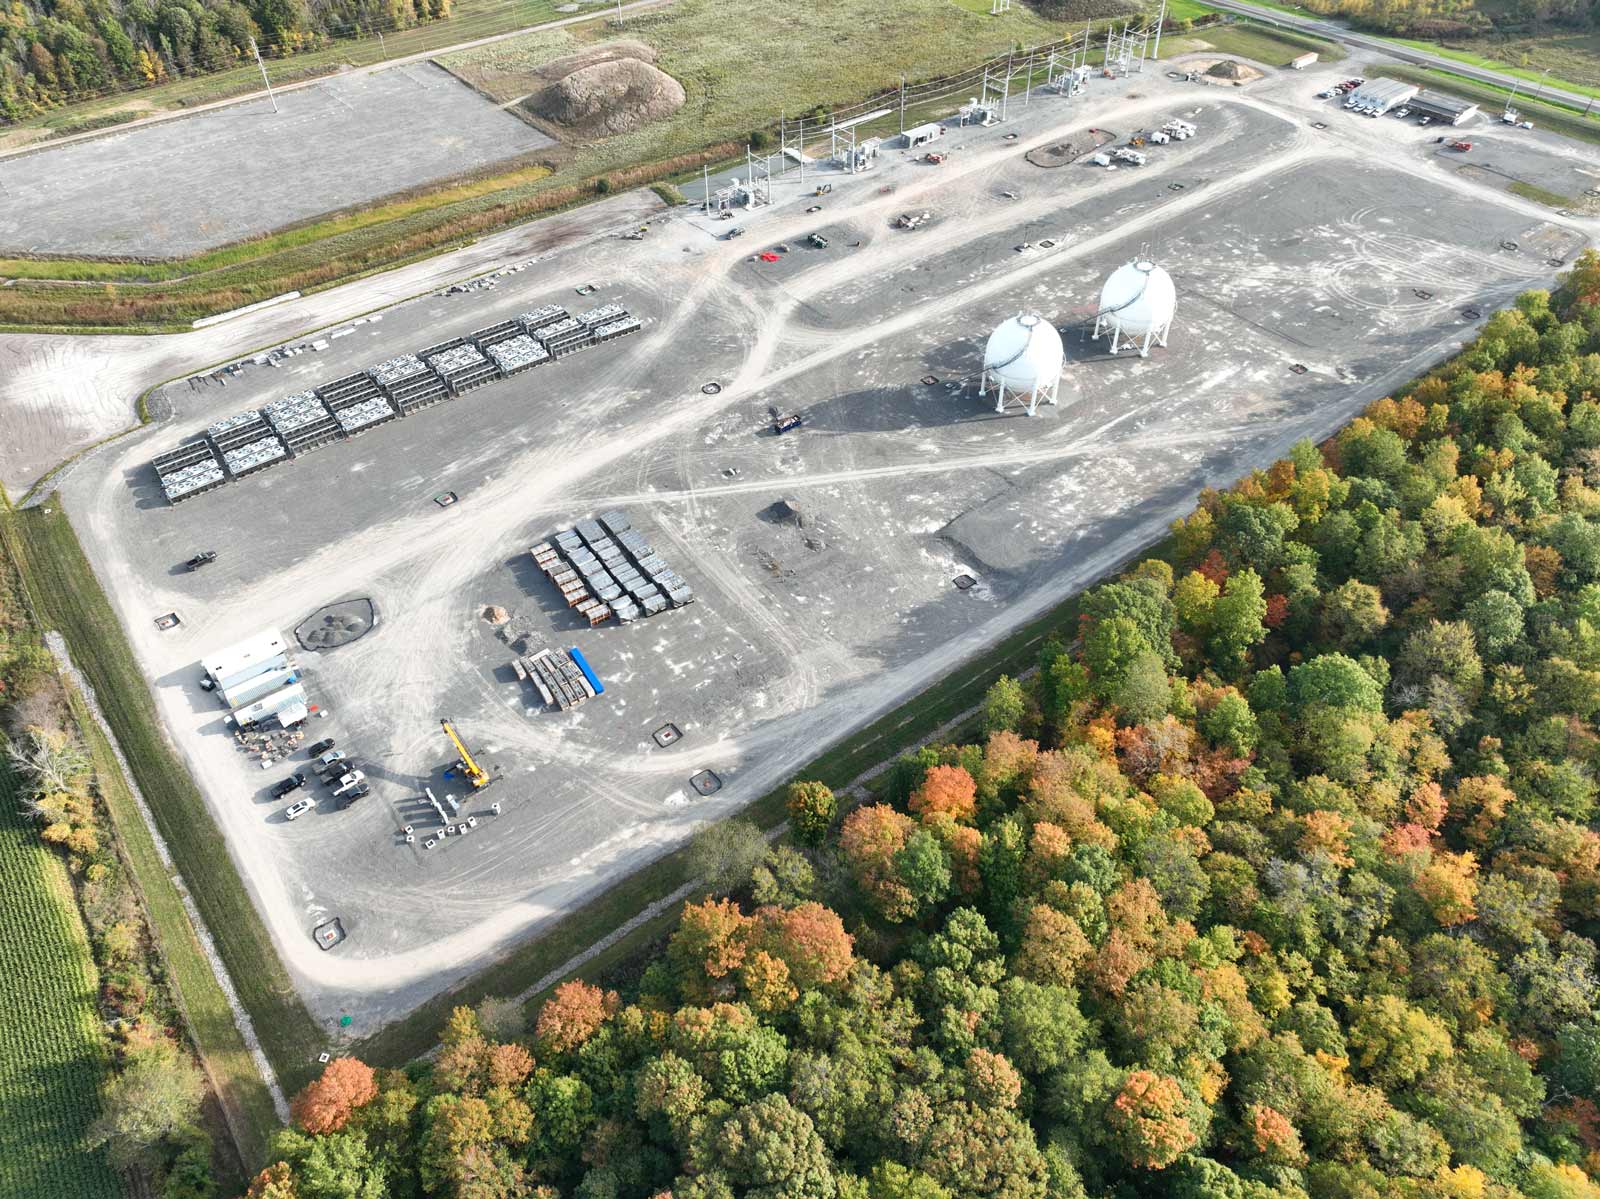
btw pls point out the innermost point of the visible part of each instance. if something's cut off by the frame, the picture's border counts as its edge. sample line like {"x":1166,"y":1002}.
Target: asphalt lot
{"x":1340,"y":251}
{"x":341,"y":142}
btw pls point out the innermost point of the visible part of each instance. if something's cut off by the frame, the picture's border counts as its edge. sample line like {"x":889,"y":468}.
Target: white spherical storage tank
{"x":1136,"y":306}
{"x":1022,"y":361}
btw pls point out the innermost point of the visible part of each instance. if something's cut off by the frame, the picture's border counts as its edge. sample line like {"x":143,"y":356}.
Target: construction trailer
{"x":229,"y":667}
{"x":1301,"y":61}
{"x":921,"y":135}
{"x":288,"y":704}
{"x":262,"y":685}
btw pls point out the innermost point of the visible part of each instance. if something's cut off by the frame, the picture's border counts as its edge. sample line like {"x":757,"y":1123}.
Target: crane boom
{"x":476,"y":774}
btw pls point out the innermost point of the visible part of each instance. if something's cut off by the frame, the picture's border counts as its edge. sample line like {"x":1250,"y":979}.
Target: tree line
{"x":1279,"y":879}
{"x":55,"y":51}
{"x":1461,"y":18}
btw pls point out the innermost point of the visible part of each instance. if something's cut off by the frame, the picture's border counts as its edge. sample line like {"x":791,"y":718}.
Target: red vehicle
{"x":1461,"y":146}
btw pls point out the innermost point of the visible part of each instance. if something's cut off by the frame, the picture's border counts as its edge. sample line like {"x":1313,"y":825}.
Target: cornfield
{"x":52,"y":1051}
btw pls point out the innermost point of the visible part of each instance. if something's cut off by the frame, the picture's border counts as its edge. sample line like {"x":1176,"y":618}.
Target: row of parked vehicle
{"x":335,"y":769}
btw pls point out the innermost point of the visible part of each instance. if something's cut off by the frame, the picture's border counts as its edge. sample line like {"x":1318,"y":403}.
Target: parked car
{"x":204,"y":558}
{"x":1425,"y":121}
{"x":283,"y":786}
{"x":321,"y":747}
{"x":350,"y":782}
{"x":349,"y":797}
{"x":298,"y":809}
{"x":1402,"y":113}
{"x":329,"y":758}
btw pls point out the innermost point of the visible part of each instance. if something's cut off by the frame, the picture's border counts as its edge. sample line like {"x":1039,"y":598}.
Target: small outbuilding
{"x":1301,"y":61}
{"x":921,"y":135}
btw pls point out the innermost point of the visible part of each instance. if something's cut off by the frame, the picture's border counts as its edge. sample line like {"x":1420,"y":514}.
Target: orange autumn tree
{"x":574,"y":1014}
{"x":810,"y":940}
{"x":946,"y":790}
{"x":326,"y":1105}
{"x":1148,"y":1120}
{"x":869,"y":839}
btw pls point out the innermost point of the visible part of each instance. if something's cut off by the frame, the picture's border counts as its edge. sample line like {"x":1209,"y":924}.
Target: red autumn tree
{"x":1148,"y":1119}
{"x":326,"y":1104}
{"x":810,"y":940}
{"x":574,"y":1014}
{"x":946,"y":790}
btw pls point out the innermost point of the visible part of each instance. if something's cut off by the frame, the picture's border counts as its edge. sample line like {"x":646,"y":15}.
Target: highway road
{"x":1334,"y":31}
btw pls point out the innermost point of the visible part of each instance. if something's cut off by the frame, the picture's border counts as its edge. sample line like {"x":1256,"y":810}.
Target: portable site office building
{"x":271,"y":705}
{"x":262,"y":684}
{"x":231,"y":666}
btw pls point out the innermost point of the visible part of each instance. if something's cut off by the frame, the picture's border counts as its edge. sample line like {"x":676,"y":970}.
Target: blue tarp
{"x":583,"y":665}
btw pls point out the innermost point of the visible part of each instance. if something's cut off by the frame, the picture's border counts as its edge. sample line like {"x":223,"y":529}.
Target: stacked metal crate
{"x":302,"y":421}
{"x":517,"y":354}
{"x":658,"y":579}
{"x":246,"y":443}
{"x":607,"y":322}
{"x":495,"y":334}
{"x":408,"y":383}
{"x":565,"y":336}
{"x":557,"y":678}
{"x":539,"y":318}
{"x":357,"y":402}
{"x":462,"y":367}
{"x":577,"y":574}
{"x":190,"y":469}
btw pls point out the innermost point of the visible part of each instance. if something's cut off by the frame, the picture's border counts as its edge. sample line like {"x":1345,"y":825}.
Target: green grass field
{"x":1573,"y":58}
{"x":64,"y":591}
{"x":1273,"y":47}
{"x":52,"y":1049}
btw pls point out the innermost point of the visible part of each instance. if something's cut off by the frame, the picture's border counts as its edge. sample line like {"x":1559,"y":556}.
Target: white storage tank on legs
{"x":1136,"y":306}
{"x":1022,"y":362}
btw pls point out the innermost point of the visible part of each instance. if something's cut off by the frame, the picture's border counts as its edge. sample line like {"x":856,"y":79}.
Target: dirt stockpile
{"x":601,"y":99}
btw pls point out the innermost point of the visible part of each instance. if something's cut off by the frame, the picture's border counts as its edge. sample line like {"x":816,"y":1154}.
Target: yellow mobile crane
{"x":475,"y":774}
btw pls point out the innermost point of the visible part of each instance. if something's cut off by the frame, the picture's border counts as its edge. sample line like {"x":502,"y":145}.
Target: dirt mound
{"x":604,"y":98}
{"x":1226,"y":69}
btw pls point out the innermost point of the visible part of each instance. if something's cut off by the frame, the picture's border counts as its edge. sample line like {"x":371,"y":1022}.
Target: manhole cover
{"x":1046,"y":244}
{"x":1555,"y":262}
{"x":168,"y":621}
{"x":324,"y":1058}
{"x":1010,"y":137}
{"x":706,"y":783}
{"x":1175,"y":187}
{"x":711,"y":389}
{"x":666,"y":735}
{"x":588,"y":289}
{"x":1298,"y":368}
{"x":445,"y":498}
{"x":1508,"y":245}
{"x":330,"y":933}
{"x":1421,"y":294}
{"x":1471,"y":314}
{"x":930,"y":380}
{"x":964,"y":582}
{"x":1318,"y":125}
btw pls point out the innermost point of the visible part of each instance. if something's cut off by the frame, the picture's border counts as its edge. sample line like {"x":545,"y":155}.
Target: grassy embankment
{"x":834,"y":53}
{"x":67,"y":596}
{"x":52,"y":1047}
{"x":1273,"y":47}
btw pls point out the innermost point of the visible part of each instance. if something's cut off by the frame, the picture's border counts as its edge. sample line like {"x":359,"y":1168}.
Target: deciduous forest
{"x":1278,"y":879}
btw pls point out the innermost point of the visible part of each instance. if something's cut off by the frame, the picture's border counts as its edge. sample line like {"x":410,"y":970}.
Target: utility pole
{"x":1161,"y":19}
{"x":802,"y":153}
{"x":264,"y":78}
{"x":902,"y":103}
{"x":1540,"y":92}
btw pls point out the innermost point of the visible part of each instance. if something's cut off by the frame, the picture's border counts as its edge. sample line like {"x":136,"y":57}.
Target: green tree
{"x":1004,"y":706}
{"x":812,"y":810}
{"x":156,"y":1096}
{"x":725,"y":854}
{"x":768,"y":1150}
{"x":1237,"y":620}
